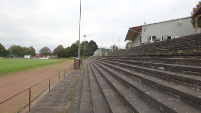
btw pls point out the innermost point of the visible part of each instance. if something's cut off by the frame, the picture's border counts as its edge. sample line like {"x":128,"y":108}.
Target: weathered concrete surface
{"x":56,"y":100}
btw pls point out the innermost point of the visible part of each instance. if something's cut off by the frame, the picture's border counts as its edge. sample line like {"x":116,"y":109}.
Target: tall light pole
{"x":119,"y":43}
{"x":79,"y":33}
{"x":84,"y":44}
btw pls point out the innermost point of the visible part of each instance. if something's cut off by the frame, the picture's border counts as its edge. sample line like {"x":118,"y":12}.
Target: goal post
{"x":13,"y":56}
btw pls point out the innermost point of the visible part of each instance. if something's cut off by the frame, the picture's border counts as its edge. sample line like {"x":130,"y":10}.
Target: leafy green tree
{"x":59,"y":51}
{"x":92,"y":47}
{"x":25,"y":51}
{"x":32,"y":51}
{"x":16,"y":50}
{"x":3,"y":51}
{"x":84,"y":48}
{"x":73,"y":52}
{"x":88,"y":48}
{"x":21,"y":51}
{"x":67,"y":52}
{"x":45,"y":51}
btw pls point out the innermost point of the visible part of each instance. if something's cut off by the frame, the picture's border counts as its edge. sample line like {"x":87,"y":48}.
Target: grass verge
{"x":11,"y":65}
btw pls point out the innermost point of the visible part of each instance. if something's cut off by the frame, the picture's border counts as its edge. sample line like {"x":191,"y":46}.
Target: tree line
{"x":16,"y":50}
{"x":86,"y":49}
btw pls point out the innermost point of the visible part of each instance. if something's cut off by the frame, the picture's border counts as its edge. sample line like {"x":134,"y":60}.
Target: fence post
{"x":49,"y":83}
{"x":29,"y":99}
{"x":59,"y":76}
{"x":64,"y":72}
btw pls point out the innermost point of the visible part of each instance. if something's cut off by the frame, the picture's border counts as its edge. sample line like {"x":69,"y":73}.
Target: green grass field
{"x":10,"y":65}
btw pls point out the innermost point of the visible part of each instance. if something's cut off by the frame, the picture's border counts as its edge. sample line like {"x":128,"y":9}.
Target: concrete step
{"x":86,"y":97}
{"x":159,"y":59}
{"x":183,"y":61}
{"x":185,"y":94}
{"x":163,"y":101}
{"x":185,"y":79}
{"x":114,"y":103}
{"x":130,"y":98}
{"x":98,"y":101}
{"x":193,"y":70}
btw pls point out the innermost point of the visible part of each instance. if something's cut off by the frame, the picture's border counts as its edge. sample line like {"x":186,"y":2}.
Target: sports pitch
{"x":11,"y":65}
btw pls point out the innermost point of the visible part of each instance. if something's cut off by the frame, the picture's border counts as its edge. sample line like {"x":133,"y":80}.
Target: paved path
{"x":56,"y":100}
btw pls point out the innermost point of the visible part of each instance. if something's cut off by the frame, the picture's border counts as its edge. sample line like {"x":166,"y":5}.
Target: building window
{"x":153,"y":38}
{"x":169,"y":38}
{"x":149,"y":38}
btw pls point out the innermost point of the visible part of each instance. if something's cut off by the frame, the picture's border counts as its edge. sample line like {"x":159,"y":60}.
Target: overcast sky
{"x":50,"y":23}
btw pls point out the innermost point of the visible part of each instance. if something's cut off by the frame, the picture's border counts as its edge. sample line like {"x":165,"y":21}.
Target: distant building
{"x":101,"y":52}
{"x":27,"y":56}
{"x":149,"y":33}
{"x":114,"y":48}
{"x":37,"y":55}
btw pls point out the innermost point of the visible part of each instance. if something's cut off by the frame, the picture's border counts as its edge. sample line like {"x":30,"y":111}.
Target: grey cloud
{"x":50,"y":23}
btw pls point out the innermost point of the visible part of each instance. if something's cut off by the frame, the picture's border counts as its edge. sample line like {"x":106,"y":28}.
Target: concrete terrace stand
{"x":165,"y":80}
{"x":163,"y":77}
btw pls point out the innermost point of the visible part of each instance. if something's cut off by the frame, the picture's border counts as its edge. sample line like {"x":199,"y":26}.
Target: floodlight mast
{"x":84,"y":44}
{"x":79,"y":33}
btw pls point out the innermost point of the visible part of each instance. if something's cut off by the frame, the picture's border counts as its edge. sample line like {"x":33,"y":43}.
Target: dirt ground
{"x":13,"y":83}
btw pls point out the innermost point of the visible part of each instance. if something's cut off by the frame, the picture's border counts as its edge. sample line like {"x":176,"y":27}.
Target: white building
{"x":101,"y":52}
{"x":27,"y":56}
{"x":160,"y":31}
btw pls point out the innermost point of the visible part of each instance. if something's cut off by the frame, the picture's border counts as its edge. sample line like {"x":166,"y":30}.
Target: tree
{"x":45,"y":51}
{"x":67,"y":52}
{"x":73,"y":52}
{"x":93,"y":46}
{"x":59,"y":51}
{"x":193,"y":19}
{"x":32,"y":51}
{"x":21,"y":51}
{"x":84,"y":48}
{"x":16,"y":50}
{"x":25,"y":51}
{"x":3,"y":51}
{"x":88,"y":48}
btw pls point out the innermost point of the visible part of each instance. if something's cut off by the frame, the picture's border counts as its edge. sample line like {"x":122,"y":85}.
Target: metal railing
{"x":23,"y":99}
